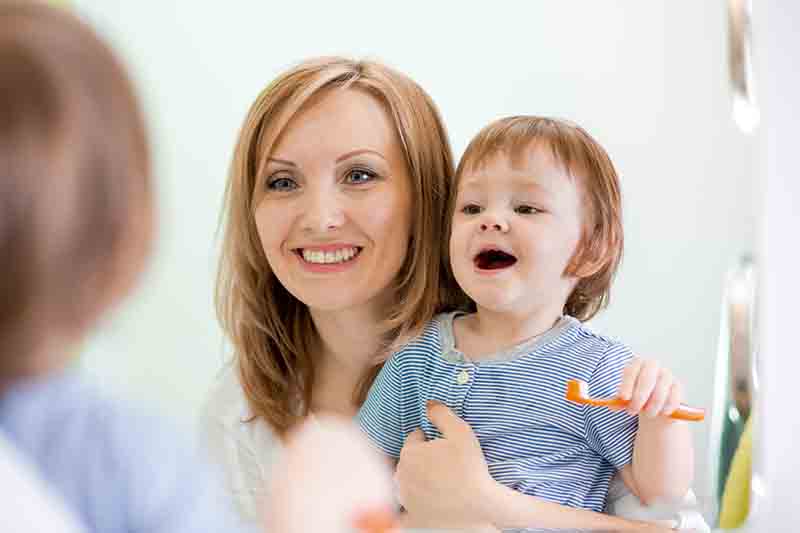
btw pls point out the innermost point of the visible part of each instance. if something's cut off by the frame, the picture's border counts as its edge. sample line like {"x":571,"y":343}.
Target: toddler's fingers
{"x":645,"y":383}
{"x":674,"y":400}
{"x":660,"y":394}
{"x":629,"y":379}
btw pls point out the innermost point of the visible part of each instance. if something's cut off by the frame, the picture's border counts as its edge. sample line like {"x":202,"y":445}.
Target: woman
{"x":332,"y":254}
{"x":308,"y":334}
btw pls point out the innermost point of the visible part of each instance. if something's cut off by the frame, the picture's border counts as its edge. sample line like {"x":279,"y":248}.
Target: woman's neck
{"x":350,"y":341}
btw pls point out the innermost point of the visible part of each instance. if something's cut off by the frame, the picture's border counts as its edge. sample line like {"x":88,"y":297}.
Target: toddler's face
{"x":515,"y":229}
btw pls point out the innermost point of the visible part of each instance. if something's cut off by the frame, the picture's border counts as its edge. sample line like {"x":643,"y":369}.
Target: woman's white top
{"x":245,"y":450}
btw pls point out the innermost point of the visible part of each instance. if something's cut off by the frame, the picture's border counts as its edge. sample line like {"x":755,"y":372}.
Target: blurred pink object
{"x":330,"y":480}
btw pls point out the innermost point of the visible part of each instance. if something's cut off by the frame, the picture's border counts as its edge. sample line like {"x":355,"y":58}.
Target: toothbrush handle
{"x":683,"y":412}
{"x":691,"y":414}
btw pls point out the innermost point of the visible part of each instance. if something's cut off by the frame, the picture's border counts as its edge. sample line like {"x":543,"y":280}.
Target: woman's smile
{"x":328,"y":258}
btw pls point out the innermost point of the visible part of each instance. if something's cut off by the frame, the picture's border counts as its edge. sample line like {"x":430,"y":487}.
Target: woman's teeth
{"x":339,"y":256}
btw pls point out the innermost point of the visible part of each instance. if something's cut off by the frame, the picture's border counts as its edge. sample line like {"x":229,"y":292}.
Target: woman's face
{"x":333,"y":207}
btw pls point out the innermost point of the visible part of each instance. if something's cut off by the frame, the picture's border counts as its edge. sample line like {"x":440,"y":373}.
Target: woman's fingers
{"x":448,"y":423}
{"x":415,"y":436}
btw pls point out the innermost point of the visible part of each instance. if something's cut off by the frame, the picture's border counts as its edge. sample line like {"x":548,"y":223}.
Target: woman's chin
{"x":337,"y":299}
{"x":358,"y":288}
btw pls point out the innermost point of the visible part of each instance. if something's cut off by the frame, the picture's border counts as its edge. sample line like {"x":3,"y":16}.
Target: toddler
{"x":535,"y":238}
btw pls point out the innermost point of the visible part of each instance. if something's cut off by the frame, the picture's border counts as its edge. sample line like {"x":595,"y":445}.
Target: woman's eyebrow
{"x":353,"y":153}
{"x":281,"y":161}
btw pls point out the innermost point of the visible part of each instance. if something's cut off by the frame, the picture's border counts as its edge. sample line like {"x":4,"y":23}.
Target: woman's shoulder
{"x":227,"y":412}
{"x":225,"y":402}
{"x":246,"y":448}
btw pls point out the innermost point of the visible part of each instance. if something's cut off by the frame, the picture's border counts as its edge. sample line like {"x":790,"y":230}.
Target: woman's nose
{"x":323,"y":211}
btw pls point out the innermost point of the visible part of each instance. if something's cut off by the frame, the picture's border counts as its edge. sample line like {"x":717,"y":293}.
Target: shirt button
{"x":462,"y":378}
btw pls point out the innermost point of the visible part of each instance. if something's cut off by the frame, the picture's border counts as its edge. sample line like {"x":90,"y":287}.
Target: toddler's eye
{"x":471,"y":209}
{"x":526,"y":210}
{"x":359,"y":175}
{"x":281,"y":184}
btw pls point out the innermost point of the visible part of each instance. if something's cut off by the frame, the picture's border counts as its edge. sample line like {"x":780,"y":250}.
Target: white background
{"x":648,"y":79}
{"x":776,"y":460}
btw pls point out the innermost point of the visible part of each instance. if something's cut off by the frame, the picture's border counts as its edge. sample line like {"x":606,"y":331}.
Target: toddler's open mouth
{"x":494,"y":259}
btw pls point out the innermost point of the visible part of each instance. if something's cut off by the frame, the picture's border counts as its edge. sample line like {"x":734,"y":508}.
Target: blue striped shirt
{"x":533,"y":439}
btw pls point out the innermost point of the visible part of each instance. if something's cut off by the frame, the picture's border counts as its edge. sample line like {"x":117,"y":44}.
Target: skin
{"x":337,"y":180}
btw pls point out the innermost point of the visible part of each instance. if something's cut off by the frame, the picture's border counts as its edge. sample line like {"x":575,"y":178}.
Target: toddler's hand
{"x":651,"y":388}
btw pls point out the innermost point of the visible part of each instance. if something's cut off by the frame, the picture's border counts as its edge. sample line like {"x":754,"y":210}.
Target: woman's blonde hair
{"x":271,"y":331}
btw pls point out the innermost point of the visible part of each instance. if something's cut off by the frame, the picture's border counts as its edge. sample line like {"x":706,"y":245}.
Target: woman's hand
{"x":651,"y":388}
{"x":444,"y":482}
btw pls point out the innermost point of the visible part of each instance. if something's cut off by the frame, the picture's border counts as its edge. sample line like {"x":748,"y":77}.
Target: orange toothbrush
{"x":578,"y":392}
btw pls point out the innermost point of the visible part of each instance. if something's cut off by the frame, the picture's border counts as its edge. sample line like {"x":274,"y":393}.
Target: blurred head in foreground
{"x":76,"y":206}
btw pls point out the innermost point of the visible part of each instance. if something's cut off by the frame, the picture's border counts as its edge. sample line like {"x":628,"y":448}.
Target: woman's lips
{"x":328,"y":258}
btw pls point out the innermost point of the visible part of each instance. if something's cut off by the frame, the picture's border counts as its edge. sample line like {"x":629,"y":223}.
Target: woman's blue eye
{"x":359,"y":175}
{"x":471,"y":209}
{"x":282,"y":184}
{"x":526,"y":210}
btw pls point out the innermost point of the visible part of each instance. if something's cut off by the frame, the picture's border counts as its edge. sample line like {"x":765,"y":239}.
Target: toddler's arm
{"x":663,"y":455}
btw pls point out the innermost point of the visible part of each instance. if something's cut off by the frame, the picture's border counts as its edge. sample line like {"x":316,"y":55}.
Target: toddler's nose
{"x":493,"y":223}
